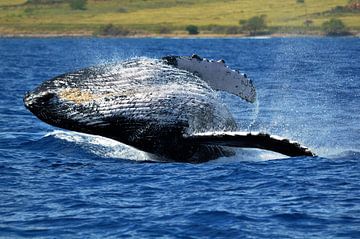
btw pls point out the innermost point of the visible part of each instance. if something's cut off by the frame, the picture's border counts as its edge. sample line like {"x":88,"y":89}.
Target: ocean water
{"x":60,"y":184}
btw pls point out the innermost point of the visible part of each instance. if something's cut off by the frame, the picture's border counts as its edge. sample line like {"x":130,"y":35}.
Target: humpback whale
{"x":167,"y":107}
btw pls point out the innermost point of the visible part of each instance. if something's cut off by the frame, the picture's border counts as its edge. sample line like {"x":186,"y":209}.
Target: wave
{"x":259,"y":37}
{"x":346,"y":154}
{"x":95,"y":145}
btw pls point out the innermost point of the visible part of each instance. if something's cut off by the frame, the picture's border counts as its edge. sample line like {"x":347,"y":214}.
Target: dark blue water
{"x":59,"y":184}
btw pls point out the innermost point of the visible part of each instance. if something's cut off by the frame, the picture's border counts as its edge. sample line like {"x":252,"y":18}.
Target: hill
{"x":152,"y":17}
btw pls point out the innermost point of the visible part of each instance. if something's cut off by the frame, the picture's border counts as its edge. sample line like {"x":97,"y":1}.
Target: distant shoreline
{"x":182,"y":36}
{"x":177,"y":19}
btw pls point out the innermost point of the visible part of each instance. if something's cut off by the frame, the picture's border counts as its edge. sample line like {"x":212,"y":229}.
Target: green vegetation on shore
{"x":173,"y":17}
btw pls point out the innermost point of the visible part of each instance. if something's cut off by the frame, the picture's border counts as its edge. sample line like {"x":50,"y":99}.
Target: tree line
{"x":74,"y":4}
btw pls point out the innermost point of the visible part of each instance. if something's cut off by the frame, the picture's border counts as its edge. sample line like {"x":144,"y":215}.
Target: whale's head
{"x":57,"y":103}
{"x":44,"y":103}
{"x":40,"y":102}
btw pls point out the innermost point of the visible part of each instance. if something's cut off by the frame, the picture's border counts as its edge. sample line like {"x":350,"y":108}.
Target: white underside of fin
{"x":252,"y":140}
{"x":219,"y":76}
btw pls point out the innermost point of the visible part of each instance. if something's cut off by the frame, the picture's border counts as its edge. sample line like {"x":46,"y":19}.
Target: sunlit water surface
{"x":56,"y":183}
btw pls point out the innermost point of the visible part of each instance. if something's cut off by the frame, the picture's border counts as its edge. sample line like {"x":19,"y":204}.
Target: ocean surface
{"x":60,"y":184}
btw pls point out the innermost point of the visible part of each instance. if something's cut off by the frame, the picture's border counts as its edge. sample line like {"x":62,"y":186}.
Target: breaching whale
{"x":167,"y":107}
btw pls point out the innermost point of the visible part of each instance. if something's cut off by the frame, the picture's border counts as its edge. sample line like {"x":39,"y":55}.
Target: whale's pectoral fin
{"x":216,"y":74}
{"x":251,"y":140}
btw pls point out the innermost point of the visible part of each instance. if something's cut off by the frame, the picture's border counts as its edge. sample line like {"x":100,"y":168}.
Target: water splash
{"x":250,"y":155}
{"x":254,"y":113}
{"x":101,"y":146}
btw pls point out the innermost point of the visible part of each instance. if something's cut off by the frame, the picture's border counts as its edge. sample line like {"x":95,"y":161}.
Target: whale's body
{"x":154,"y":105}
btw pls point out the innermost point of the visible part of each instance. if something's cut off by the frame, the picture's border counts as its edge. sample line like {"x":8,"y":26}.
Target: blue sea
{"x":61,"y":184}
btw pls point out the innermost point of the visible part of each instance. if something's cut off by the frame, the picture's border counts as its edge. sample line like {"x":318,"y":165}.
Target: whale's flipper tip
{"x":216,"y":74}
{"x":252,"y":140}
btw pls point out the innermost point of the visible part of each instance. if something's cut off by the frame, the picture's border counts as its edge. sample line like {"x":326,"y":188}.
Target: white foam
{"x":102,"y":146}
{"x":259,"y":37}
{"x":250,"y":155}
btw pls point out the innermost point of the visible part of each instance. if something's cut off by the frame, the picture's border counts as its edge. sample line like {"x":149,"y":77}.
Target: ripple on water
{"x":56,"y":183}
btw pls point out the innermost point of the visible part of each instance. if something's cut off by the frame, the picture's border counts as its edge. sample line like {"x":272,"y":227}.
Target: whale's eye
{"x":36,"y":101}
{"x":44,"y":98}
